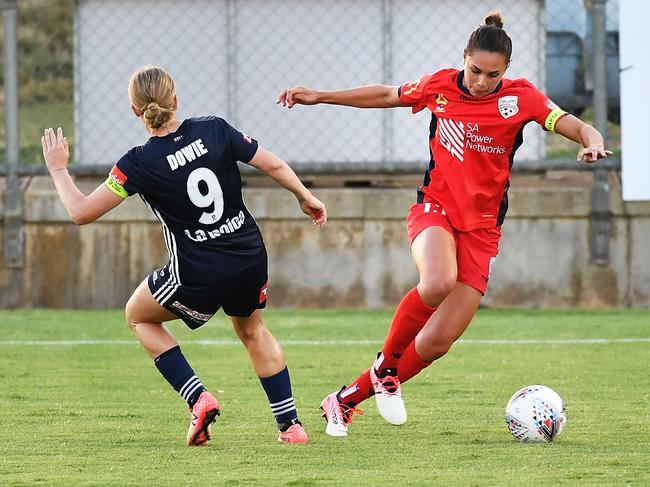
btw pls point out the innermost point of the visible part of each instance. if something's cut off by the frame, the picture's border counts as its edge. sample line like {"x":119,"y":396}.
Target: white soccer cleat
{"x":337,"y":415}
{"x":388,"y":397}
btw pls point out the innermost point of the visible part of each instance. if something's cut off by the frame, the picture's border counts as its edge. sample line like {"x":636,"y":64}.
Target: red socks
{"x":357,"y":392}
{"x":410,"y":364}
{"x":410,"y":317}
{"x":399,"y":348}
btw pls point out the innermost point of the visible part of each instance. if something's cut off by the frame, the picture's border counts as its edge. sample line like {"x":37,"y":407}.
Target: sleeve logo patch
{"x":508,"y":106}
{"x":411,"y":87}
{"x":248,"y":138}
{"x":550,"y":105}
{"x":115,"y":182}
{"x":118,"y":176}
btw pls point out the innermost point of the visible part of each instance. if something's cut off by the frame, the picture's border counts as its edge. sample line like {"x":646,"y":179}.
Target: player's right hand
{"x":315,"y":209}
{"x":55,"y":149}
{"x":298,"y":96}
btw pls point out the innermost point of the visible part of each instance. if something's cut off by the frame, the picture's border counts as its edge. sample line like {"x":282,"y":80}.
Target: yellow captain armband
{"x":115,"y":182}
{"x":552,"y":118}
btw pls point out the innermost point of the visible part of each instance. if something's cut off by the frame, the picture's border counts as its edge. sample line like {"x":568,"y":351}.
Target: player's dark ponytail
{"x":491,"y":37}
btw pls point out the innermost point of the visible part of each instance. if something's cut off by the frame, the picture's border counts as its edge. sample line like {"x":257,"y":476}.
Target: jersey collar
{"x":162,"y":138}
{"x":461,"y":86}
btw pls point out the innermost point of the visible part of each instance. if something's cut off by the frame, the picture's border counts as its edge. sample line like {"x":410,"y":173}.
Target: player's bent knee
{"x":129,"y":319}
{"x":250,"y":333}
{"x":131,"y":322}
{"x":434,"y":290}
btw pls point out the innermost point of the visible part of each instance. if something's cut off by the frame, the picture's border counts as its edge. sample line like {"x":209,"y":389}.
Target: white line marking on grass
{"x":576,"y":341}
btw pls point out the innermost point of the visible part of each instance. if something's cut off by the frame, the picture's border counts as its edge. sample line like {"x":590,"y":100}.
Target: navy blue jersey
{"x":191,"y":181}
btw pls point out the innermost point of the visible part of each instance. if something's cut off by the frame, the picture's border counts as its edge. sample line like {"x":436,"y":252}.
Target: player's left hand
{"x":55,"y":149}
{"x":315,"y":209}
{"x":593,"y":153}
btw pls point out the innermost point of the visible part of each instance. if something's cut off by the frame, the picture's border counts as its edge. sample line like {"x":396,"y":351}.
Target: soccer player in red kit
{"x":454,"y":228}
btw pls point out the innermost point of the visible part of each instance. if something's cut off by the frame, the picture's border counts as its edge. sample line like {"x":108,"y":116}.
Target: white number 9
{"x":213,"y":196}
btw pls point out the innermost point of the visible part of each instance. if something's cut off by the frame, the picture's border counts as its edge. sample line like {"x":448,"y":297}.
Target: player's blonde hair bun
{"x":152,"y":92}
{"x":154,"y":115}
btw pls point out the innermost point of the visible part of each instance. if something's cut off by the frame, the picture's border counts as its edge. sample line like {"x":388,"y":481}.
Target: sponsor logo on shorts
{"x":158,"y":274}
{"x":195,"y":315}
{"x":492,"y":261}
{"x":436,"y":208}
{"x":263,"y":292}
{"x":491,"y":266}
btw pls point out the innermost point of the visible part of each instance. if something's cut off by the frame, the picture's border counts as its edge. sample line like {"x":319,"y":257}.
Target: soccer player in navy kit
{"x":187,"y":174}
{"x":454,"y":228}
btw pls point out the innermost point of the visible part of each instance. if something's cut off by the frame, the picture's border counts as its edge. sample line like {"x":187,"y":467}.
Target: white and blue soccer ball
{"x":535,"y":414}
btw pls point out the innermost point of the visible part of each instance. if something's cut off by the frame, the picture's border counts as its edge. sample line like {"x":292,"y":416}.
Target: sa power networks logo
{"x":508,"y":106}
{"x":458,"y":136}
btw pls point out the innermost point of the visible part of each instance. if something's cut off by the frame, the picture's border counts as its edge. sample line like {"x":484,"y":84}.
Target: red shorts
{"x":476,"y":250}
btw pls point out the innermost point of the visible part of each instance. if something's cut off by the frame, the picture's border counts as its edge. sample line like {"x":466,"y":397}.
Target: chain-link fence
{"x":232,"y":58}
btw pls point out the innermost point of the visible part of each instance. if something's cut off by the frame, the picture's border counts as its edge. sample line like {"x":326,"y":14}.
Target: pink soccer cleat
{"x":337,"y":415}
{"x":204,"y":413}
{"x":294,"y":434}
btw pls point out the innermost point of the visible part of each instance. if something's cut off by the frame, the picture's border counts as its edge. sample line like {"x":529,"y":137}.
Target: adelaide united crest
{"x":441,"y":102}
{"x":508,"y":106}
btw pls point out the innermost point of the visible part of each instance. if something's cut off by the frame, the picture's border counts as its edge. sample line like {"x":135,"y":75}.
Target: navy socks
{"x":174,"y":367}
{"x":278,"y":391}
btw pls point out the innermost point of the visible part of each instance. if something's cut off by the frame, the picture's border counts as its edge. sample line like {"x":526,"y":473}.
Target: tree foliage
{"x":45,"y":39}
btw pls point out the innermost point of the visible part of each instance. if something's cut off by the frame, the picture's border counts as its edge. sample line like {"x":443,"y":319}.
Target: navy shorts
{"x":239,"y":294}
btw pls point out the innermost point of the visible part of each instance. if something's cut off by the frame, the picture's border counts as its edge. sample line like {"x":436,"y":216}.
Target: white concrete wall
{"x":360,"y":259}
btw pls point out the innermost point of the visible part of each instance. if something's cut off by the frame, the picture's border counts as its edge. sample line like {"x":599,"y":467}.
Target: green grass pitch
{"x":98,"y":413}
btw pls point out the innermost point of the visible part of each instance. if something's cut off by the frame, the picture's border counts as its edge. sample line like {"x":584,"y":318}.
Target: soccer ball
{"x":535,"y":414}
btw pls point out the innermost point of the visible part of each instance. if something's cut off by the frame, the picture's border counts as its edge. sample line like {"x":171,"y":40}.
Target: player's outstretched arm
{"x":375,"y":96}
{"x":282,"y":174}
{"x":593,"y":146}
{"x":82,"y":209}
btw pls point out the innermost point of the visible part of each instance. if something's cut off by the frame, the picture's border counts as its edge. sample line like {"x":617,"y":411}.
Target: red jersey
{"x":473,"y":142}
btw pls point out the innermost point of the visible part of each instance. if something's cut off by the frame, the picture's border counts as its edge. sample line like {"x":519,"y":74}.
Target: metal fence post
{"x":601,"y":213}
{"x":387,"y":52}
{"x":231,"y":60}
{"x":13,"y":214}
